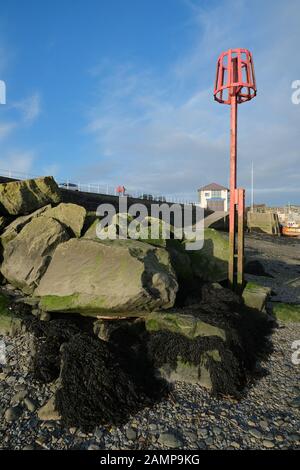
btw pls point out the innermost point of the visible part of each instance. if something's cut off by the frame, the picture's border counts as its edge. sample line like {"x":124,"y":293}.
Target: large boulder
{"x":16,"y":226}
{"x":120,"y":224}
{"x":71,"y":215}
{"x":24,"y":197}
{"x":119,"y":277}
{"x":211,"y":262}
{"x":186,"y":325}
{"x":26,"y":257}
{"x":149,"y":230}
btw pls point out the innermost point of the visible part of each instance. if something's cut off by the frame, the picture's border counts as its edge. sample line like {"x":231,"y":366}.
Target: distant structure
{"x":214,"y":197}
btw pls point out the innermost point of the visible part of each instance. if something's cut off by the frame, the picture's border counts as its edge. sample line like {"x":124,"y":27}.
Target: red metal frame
{"x":235,"y":83}
{"x":235,"y":76}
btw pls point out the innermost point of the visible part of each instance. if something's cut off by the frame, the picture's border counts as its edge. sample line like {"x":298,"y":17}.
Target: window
{"x":206,"y":194}
{"x":216,"y":194}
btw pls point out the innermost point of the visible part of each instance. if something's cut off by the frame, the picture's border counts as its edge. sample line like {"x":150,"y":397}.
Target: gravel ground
{"x":267,"y":418}
{"x":190,"y":419}
{"x":281,"y":258}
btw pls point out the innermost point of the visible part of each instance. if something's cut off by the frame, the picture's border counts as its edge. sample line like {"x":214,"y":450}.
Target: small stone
{"x":203,"y":432}
{"x":20,"y":387}
{"x":152,"y":427}
{"x":209,"y":441}
{"x":264,"y":425}
{"x":234,"y":444}
{"x":28,"y":447}
{"x":30,"y":404}
{"x":13,"y":413}
{"x":169,"y":440}
{"x":216,"y":430}
{"x":18,"y":397}
{"x":131,"y":434}
{"x":93,"y":447}
{"x":294,"y":437}
{"x":295,"y":403}
{"x":268,"y":444}
{"x":191,"y":436}
{"x":45,"y":316}
{"x":48,"y":412}
{"x":255,"y":433}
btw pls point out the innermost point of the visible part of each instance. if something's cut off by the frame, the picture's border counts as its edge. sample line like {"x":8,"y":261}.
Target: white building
{"x":214,"y":197}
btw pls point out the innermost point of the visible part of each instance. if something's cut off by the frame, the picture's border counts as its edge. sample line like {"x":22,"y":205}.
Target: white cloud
{"x":30,"y":108}
{"x":6,"y":128}
{"x":18,"y":161}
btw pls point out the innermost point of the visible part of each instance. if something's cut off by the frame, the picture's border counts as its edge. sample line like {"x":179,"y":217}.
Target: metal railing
{"x":101,"y":188}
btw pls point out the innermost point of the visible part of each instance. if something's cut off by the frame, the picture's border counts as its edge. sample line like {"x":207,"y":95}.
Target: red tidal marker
{"x":235,"y":84}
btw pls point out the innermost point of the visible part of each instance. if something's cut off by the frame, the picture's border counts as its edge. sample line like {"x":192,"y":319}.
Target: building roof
{"x":213,"y":187}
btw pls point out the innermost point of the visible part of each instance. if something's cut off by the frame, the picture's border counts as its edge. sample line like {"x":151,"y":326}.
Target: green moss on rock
{"x":186,"y":325}
{"x":211,"y":262}
{"x":287,"y":312}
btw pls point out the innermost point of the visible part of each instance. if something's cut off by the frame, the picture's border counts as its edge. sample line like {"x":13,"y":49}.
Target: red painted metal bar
{"x":241,"y":239}
{"x":232,"y":210}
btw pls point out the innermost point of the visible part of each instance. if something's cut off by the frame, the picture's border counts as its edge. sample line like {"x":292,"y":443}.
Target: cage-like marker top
{"x":235,"y":76}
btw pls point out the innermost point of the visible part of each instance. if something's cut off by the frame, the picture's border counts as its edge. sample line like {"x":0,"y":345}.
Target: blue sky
{"x":120,"y":92}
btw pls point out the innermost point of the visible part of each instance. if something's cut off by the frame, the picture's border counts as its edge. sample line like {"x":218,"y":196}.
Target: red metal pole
{"x":240,"y":250}
{"x":232,"y":213}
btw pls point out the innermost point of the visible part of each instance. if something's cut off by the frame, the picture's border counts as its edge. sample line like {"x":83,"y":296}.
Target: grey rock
{"x":268,"y":444}
{"x":235,"y":445}
{"x":30,"y":404}
{"x":191,"y":436}
{"x":45,"y":316}
{"x":93,"y":447}
{"x":131,"y":434}
{"x":18,"y":397}
{"x":255,"y":433}
{"x":264,"y":425}
{"x":170,"y":440}
{"x":13,"y":413}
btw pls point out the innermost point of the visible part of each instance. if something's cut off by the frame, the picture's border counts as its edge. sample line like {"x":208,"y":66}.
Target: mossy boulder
{"x":189,"y":372}
{"x":107,"y":277}
{"x":10,"y":323}
{"x":287,"y":312}
{"x":24,"y":197}
{"x":179,"y":258}
{"x":211,"y":262}
{"x":26,"y":257}
{"x":70,"y":215}
{"x":186,"y":325}
{"x":117,"y":228}
{"x":16,"y":226}
{"x":256,"y":296}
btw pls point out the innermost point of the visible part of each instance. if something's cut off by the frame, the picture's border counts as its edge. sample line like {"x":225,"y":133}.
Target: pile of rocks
{"x":125,"y":293}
